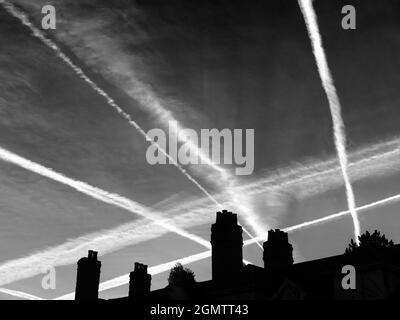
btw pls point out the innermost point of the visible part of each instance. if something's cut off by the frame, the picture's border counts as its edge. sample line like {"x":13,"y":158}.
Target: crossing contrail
{"x":130,"y":233}
{"x":31,"y":265}
{"x":310,"y":179}
{"x":94,"y":192}
{"x":124,"y":279}
{"x":334,"y":105}
{"x":373,"y":160}
{"x":323,"y":219}
{"x":144,"y":97}
{"x":21,"y":16}
{"x":203,"y":255}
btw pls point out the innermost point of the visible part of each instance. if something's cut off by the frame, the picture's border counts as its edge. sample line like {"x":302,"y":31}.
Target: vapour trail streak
{"x":334,"y":105}
{"x":319,"y":177}
{"x":50,"y":44}
{"x":307,"y":177}
{"x":319,"y":169}
{"x":240,"y":201}
{"x":99,"y":194}
{"x":96,"y":193}
{"x":20,"y":294}
{"x":325,"y":219}
{"x":124,"y":279}
{"x":319,"y":181}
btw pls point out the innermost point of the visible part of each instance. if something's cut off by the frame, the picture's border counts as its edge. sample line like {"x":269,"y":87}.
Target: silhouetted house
{"x":377,"y":273}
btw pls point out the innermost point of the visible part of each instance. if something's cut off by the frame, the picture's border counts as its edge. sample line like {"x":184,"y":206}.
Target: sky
{"x":209,"y":64}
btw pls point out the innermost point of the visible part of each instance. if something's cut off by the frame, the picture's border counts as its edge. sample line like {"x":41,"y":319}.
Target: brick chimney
{"x":278,"y":252}
{"x":88,"y":277}
{"x":139,"y":282}
{"x":226,"y":243}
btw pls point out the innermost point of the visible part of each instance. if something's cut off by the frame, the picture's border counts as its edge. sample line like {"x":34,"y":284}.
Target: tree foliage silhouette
{"x":181,"y":277}
{"x":369,"y":241}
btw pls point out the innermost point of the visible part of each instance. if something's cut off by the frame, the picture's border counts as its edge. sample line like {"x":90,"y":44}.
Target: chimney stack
{"x":226,"y":243}
{"x":139,"y":282}
{"x":88,"y":277}
{"x":278,"y":252}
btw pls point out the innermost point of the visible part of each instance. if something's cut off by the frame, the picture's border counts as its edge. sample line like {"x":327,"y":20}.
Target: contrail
{"x":20,"y":294}
{"x":308,"y":180}
{"x":119,"y":69}
{"x":127,"y":234}
{"x":21,"y":16}
{"x":203,"y":255}
{"x":124,"y":279}
{"x":96,"y":193}
{"x":334,"y":105}
{"x":143,"y":99}
{"x":316,"y":178}
{"x":260,"y":187}
{"x":323,"y":176}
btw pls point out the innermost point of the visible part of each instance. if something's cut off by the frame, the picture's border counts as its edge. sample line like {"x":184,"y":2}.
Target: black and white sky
{"x":211,"y":64}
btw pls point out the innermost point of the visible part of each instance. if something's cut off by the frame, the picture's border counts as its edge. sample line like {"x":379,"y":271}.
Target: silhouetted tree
{"x":368,"y":241}
{"x":181,"y":277}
